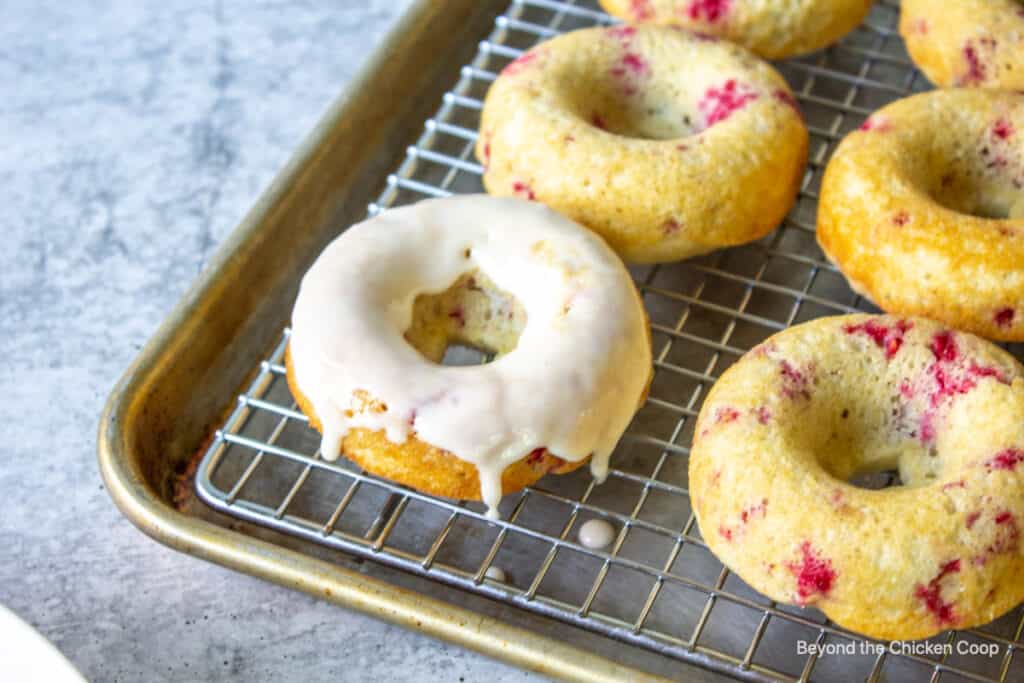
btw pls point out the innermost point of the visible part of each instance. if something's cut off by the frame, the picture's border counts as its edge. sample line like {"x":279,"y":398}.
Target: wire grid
{"x":657,"y":586}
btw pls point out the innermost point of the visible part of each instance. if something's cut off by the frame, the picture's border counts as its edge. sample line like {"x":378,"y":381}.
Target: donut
{"x":785,"y":429}
{"x":966,"y":43}
{"x":922,"y":209}
{"x":773,"y":29}
{"x":548,"y":298}
{"x":665,"y":143}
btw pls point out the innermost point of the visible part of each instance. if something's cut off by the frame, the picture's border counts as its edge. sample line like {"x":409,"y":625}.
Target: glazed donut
{"x":377,"y":310}
{"x":773,"y":29}
{"x":665,"y":143}
{"x":785,"y":429}
{"x":970,"y":43}
{"x":922,"y":209}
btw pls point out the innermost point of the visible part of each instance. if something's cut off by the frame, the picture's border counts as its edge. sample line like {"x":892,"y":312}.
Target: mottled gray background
{"x":134,"y":136}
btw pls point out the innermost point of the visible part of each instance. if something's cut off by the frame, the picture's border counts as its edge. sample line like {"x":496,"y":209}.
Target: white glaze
{"x":495,"y":573}
{"x":571,"y":385}
{"x":596,"y":534}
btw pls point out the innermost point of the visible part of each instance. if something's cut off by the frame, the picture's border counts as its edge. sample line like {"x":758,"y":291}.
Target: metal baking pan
{"x":201,"y":445}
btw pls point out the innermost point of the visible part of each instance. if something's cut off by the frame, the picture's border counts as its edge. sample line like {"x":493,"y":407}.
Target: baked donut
{"x":969,"y":43}
{"x":378,"y":308}
{"x":665,"y":143}
{"x":785,"y":429}
{"x":922,"y":209}
{"x":773,"y":29}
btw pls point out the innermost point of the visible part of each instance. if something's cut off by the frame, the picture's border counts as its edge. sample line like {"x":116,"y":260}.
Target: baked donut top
{"x":773,"y":29}
{"x":378,"y":307}
{"x":961,"y":149}
{"x":623,"y":128}
{"x":967,"y":43}
{"x":650,"y":85}
{"x":787,"y":432}
{"x":923,"y":208}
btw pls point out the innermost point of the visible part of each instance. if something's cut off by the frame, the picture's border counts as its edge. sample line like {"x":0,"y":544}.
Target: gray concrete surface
{"x":134,"y":136}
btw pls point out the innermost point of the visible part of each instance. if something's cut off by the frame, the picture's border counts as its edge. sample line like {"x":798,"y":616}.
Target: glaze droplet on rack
{"x":596,"y":534}
{"x":495,"y":574}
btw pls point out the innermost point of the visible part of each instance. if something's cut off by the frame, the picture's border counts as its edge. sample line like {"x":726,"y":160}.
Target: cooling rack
{"x":657,"y":586}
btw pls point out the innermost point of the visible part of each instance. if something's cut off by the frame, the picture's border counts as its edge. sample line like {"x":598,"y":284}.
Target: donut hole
{"x":652,"y":122}
{"x":860,"y":453}
{"x":875,"y":480}
{"x":874,"y":455}
{"x":658,"y":112}
{"x":974,"y":194}
{"x":471,"y":322}
{"x":861,"y":438}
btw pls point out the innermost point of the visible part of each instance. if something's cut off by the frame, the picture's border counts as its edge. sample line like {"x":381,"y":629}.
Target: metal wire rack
{"x":657,"y":586}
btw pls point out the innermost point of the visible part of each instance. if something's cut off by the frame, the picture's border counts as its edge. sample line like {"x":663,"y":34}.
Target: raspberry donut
{"x":969,"y":43}
{"x":665,"y":143}
{"x":785,"y":429}
{"x":922,"y":209}
{"x":773,"y":29}
{"x":378,"y":309}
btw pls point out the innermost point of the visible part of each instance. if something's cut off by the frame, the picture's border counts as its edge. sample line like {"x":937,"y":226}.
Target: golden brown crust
{"x":967,"y":43}
{"x":621,"y":129}
{"x":783,"y":431}
{"x":423,"y":467}
{"x":774,"y":30}
{"x":880,"y":220}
